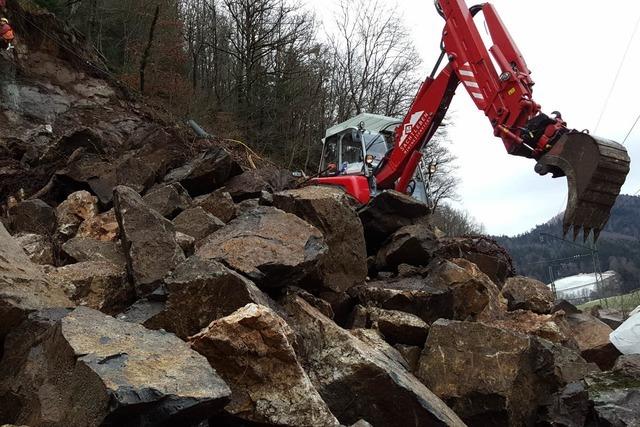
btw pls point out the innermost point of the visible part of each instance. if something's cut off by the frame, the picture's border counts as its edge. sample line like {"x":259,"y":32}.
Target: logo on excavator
{"x":415,"y":127}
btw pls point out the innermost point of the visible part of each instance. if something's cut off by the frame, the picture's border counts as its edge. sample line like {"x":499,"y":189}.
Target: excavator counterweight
{"x":596,"y":169}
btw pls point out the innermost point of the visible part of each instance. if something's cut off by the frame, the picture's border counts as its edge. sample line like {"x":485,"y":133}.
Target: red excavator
{"x":364,"y":161}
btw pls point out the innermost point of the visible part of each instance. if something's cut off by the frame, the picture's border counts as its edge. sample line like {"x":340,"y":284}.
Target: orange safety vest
{"x":7,"y":33}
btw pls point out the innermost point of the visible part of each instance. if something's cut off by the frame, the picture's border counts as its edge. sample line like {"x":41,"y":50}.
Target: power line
{"x":631,"y":130}
{"x":615,"y":80}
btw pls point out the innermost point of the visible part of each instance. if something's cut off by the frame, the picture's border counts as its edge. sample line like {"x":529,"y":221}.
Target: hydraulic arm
{"x":595,"y":168}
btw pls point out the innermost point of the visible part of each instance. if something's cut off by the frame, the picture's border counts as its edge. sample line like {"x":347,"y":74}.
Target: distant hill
{"x":618,"y":247}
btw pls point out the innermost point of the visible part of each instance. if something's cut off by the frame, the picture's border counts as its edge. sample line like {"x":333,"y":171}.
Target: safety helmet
{"x":4,"y":21}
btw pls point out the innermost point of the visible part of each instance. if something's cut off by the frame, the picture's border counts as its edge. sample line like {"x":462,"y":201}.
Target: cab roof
{"x":372,"y":123}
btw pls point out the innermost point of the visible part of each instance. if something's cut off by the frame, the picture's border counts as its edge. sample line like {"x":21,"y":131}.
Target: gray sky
{"x":573,"y":48}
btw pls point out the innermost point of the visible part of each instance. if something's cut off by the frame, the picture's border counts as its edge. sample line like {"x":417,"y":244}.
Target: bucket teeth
{"x":596,"y":169}
{"x":586,"y":232}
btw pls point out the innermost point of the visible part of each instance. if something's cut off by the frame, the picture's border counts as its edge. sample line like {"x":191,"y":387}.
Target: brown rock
{"x":82,"y":249}
{"x":101,"y":227}
{"x":395,"y":326}
{"x":251,"y":350}
{"x":552,"y":327}
{"x":197,"y":223}
{"x":411,"y":355}
{"x":524,"y":293}
{"x":372,"y":338}
{"x":148,"y":240}
{"x":328,"y":210}
{"x":168,"y":200}
{"x":340,"y":365}
{"x":33,"y":216}
{"x":91,"y":369}
{"x":219,"y":204}
{"x":100,"y":285}
{"x":412,"y":244}
{"x":486,"y":253}
{"x":206,"y":172}
{"x":271,"y":247}
{"x":78,"y":207}
{"x":186,"y":243}
{"x":38,"y":248}
{"x":250,"y":184}
{"x":592,"y":336}
{"x":387,"y":213}
{"x":198,"y":292}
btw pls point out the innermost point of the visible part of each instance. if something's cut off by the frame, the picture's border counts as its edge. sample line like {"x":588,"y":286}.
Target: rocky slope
{"x":146,"y":281}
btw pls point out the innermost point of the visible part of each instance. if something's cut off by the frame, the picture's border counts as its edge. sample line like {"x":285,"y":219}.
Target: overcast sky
{"x":573,"y":48}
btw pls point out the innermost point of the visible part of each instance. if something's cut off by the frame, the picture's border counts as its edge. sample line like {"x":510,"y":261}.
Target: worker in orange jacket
{"x":6,"y":33}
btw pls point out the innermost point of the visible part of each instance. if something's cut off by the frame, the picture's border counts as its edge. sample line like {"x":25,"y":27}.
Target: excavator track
{"x":596,"y":169}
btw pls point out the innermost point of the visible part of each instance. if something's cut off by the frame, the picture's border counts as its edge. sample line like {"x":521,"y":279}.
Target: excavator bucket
{"x":595,"y":169}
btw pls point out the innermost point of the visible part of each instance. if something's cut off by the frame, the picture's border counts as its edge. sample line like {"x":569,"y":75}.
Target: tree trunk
{"x":147,"y":49}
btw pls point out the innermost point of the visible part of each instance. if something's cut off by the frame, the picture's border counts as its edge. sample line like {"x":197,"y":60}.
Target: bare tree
{"x":454,"y":222}
{"x":439,"y":168}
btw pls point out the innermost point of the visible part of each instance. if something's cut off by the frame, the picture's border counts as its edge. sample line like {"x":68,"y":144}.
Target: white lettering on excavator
{"x":407,"y":141}
{"x":408,"y":127}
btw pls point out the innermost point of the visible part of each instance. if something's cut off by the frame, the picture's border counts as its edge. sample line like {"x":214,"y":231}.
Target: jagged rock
{"x":395,"y":326}
{"x":38,"y":248}
{"x":271,"y":247}
{"x":148,"y":240}
{"x":413,"y":295}
{"x":486,"y":253}
{"x":524,"y":293}
{"x":612,"y":317}
{"x":373,"y":338}
{"x":198,"y":292}
{"x":186,"y":243}
{"x":341,"y":365}
{"x":90,"y":369}
{"x":206,"y":172}
{"x":552,"y":327}
{"x":318,"y":303}
{"x":251,"y":184}
{"x":246,"y":206}
{"x":487,"y":375}
{"x":168,"y":200}
{"x":387,"y":213}
{"x":197,"y":223}
{"x":569,"y":407}
{"x":100,"y":285}
{"x":616,"y":394}
{"x":23,"y":286}
{"x":82,"y":249}
{"x":592,"y":336}
{"x":78,"y":207}
{"x":219,"y":204}
{"x":33,"y":216}
{"x":252,"y":351}
{"x":101,"y":227}
{"x":565,"y":306}
{"x":412,"y":244}
{"x":411,"y":355}
{"x":328,"y":209}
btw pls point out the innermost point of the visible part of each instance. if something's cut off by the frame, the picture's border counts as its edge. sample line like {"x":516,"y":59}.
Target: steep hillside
{"x":618,"y":247}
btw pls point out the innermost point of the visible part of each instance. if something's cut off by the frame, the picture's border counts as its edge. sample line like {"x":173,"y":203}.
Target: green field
{"x":624,"y":303}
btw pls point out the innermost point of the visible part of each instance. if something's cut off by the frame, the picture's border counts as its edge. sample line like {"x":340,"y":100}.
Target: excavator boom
{"x":595,"y":168}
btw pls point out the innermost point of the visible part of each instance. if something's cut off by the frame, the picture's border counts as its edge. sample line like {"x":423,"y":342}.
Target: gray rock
{"x":82,"y":249}
{"x":524,"y":293}
{"x":219,"y":204}
{"x":412,"y":244}
{"x":33,"y":216}
{"x":252,"y":351}
{"x":148,"y":240}
{"x":592,"y":336}
{"x":186,"y":243}
{"x":271,"y":247}
{"x":395,"y":326}
{"x":91,"y":369}
{"x":197,"y":223}
{"x":342,"y":366}
{"x":38,"y":248}
{"x":252,"y":183}
{"x":168,"y":200}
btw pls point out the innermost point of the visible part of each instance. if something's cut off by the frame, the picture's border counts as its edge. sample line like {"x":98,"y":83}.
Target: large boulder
{"x":252,"y":183}
{"x":592,"y":336}
{"x":342,"y":367}
{"x":148,"y":240}
{"x":197,"y":223}
{"x":81,"y":249}
{"x":89,"y":369}
{"x":219,"y":204}
{"x":101,"y":227}
{"x":524,"y":293}
{"x":38,"y":248}
{"x":252,"y":350}
{"x":491,"y":258}
{"x":23,"y":286}
{"x":271,"y":247}
{"x":78,"y":207}
{"x":205,"y":173}
{"x":412,"y":244}
{"x":33,"y":216}
{"x":329,"y":209}
{"x":168,"y":200}
{"x":198,"y":292}
{"x":488,"y":375}
{"x":397,"y":327}
{"x":553,"y":327}
{"x":100,"y":285}
{"x":387,"y":213}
